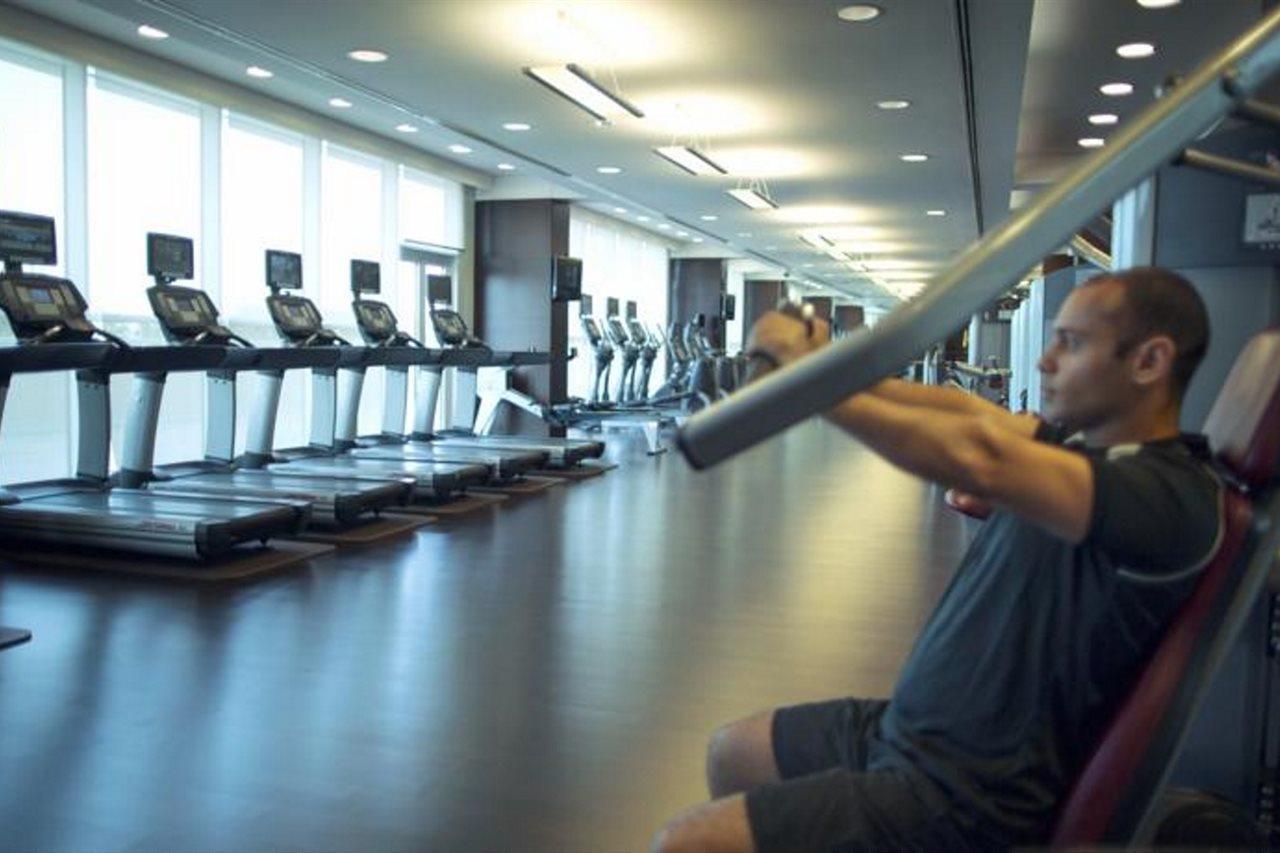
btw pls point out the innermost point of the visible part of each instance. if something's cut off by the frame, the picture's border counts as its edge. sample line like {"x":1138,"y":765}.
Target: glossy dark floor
{"x":542,"y":677}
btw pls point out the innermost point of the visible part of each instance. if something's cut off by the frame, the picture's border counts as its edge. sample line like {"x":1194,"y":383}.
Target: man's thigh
{"x":818,"y":736}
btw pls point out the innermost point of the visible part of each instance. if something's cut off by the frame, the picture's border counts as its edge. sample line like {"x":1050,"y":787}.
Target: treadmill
{"x":396,"y":351}
{"x":47,"y":314}
{"x":299,"y":325}
{"x":467,"y":353}
{"x":189,"y":319}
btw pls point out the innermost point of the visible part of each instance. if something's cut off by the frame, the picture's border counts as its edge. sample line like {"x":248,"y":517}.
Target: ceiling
{"x":780,"y":92}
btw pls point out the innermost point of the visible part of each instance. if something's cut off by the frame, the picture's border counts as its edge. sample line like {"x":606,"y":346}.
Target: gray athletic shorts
{"x":828,"y":799}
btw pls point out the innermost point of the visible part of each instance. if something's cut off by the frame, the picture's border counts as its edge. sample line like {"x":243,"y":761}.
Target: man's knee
{"x":740,"y":755}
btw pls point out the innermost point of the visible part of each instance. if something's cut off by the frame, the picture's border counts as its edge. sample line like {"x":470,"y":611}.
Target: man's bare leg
{"x":720,"y":826}
{"x":740,"y":756}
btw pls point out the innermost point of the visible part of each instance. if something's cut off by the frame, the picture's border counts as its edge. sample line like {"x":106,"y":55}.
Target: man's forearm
{"x":929,"y":396}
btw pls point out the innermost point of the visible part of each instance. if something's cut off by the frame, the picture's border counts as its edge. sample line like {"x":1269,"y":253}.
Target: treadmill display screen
{"x":439,"y":290}
{"x":631,"y":310}
{"x":170,"y":257}
{"x":450,"y":328}
{"x":366,"y":277}
{"x":40,"y":294}
{"x":611,"y":307}
{"x":566,"y":279}
{"x":284,"y":270}
{"x":728,"y":305}
{"x":584,"y":306}
{"x":27,"y":239}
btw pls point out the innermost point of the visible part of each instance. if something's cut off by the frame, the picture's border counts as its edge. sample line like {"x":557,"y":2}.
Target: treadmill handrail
{"x":39,"y":358}
{"x":987,"y":268}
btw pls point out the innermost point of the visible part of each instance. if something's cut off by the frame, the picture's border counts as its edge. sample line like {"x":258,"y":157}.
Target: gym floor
{"x":540,"y":677}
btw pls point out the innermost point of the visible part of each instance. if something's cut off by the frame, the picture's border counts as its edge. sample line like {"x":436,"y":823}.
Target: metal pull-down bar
{"x":988,"y":267}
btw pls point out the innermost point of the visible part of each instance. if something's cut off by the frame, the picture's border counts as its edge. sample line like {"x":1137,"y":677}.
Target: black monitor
{"x":584,"y":306}
{"x":284,"y":270}
{"x":728,"y":305}
{"x":169,"y":257}
{"x":439,"y":290}
{"x":566,"y":279}
{"x":631,"y":309}
{"x":611,"y":307}
{"x":366,"y":277}
{"x":27,"y":239}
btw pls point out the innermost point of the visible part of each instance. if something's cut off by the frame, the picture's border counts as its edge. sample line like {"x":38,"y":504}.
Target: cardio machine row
{"x":202,"y":509}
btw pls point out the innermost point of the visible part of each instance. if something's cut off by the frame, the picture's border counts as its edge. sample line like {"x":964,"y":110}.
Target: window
{"x":36,"y":440}
{"x":627,"y":265}
{"x":144,"y":175}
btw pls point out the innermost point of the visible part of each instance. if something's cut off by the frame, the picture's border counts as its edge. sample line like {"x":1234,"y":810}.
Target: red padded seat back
{"x":1119,"y":780}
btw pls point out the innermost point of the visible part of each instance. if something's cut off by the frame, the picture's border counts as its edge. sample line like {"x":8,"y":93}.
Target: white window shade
{"x":350,"y":228}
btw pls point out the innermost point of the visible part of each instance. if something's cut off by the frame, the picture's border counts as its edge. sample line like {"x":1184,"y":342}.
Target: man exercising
{"x":1104,"y":515}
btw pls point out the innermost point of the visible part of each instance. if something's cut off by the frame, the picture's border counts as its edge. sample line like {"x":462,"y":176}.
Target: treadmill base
{"x":525,"y":486}
{"x":365,"y":534}
{"x":451,"y":508}
{"x":244,"y":562}
{"x":13,"y":637}
{"x":583,"y":471}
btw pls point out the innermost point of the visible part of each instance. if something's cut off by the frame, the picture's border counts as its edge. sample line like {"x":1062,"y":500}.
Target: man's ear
{"x":1152,"y":360}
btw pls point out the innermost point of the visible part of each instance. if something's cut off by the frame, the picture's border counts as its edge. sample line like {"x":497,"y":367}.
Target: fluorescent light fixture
{"x":459,"y":149}
{"x":339,"y":103}
{"x":690,"y":159}
{"x":935,"y":212}
{"x":914,"y":158}
{"x":367,"y":55}
{"x":1103,"y":118}
{"x":817,"y":241}
{"x":149,"y":32}
{"x":506,"y":167}
{"x":753,"y":199}
{"x":664,"y":226}
{"x":1091,"y":142}
{"x":260,"y":73}
{"x":708,"y":217}
{"x":893,"y":105}
{"x":1116,"y":90}
{"x":859,"y":13}
{"x":609,"y":170}
{"x":1136,"y":50}
{"x":574,"y":84}
{"x":619,"y":210}
{"x":406,"y":128}
{"x":837,"y":255}
{"x":516,"y":126}
{"x":1158,"y":4}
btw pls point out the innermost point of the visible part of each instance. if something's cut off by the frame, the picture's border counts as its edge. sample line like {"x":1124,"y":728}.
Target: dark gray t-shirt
{"x":1035,"y":641}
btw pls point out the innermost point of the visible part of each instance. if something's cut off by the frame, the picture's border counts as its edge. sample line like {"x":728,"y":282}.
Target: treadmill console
{"x":187,"y":315}
{"x":39,"y":307}
{"x":592,"y":329}
{"x":296,"y":317}
{"x":639,"y":336}
{"x":451,"y":329}
{"x":376,"y":321}
{"x":170,"y":258}
{"x":617,"y":331}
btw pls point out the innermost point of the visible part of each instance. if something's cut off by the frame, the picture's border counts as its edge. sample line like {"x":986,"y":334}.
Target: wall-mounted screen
{"x":366,"y":277}
{"x":439,"y":290}
{"x":284,"y":270}
{"x":170,"y":257}
{"x":632,"y":310}
{"x":611,"y":307}
{"x":566,"y":279}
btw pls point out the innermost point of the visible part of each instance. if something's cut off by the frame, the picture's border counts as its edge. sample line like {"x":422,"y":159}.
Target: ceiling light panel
{"x":367,"y":55}
{"x":1116,"y":90}
{"x":1136,"y":50}
{"x":339,"y":103}
{"x":893,"y":105}
{"x":753,"y":198}
{"x":258,"y":72}
{"x":517,"y":126}
{"x":149,"y":32}
{"x":859,"y":13}
{"x":690,"y":159}
{"x":574,"y":84}
{"x":1103,"y":118}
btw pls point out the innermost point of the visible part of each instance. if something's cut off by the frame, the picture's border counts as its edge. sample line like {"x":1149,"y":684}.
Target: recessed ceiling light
{"x":366,"y":55}
{"x":893,"y":105}
{"x":1103,"y":118}
{"x":806,"y":265}
{"x":859,"y":13}
{"x":697,"y":239}
{"x":1158,"y":4}
{"x":260,"y":73}
{"x":682,"y":233}
{"x":406,"y":128}
{"x":936,"y":212}
{"x":619,"y":210}
{"x":1116,"y":90}
{"x":516,"y":125}
{"x":643,"y":218}
{"x":744,"y":233}
{"x":708,"y":217}
{"x":1091,"y":142}
{"x":506,"y":167}
{"x":339,"y":103}
{"x":149,"y":32}
{"x":914,"y":158}
{"x":664,"y":226}
{"x":459,"y":149}
{"x":608,"y":170}
{"x":1136,"y":50}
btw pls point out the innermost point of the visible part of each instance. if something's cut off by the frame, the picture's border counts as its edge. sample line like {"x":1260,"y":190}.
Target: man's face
{"x":1083,"y":381}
